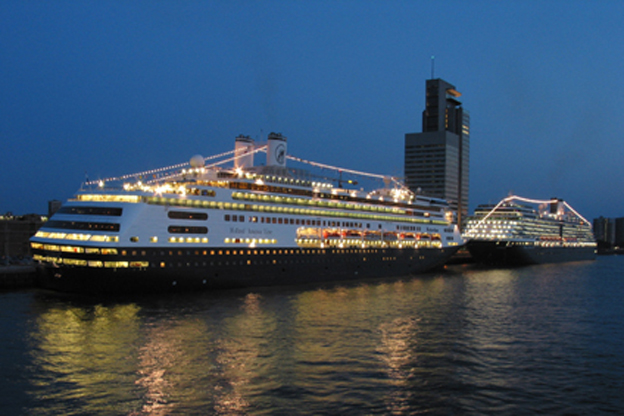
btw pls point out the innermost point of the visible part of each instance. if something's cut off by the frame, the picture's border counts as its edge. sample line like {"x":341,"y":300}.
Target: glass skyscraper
{"x":437,"y":161}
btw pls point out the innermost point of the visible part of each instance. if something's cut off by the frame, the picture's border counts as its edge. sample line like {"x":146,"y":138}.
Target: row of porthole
{"x":91,"y":263}
{"x":145,"y":264}
{"x":250,"y":241}
{"x":78,"y":236}
{"x":340,"y":243}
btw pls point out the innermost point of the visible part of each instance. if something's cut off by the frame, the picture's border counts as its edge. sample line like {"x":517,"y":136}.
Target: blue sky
{"x":106,"y":88}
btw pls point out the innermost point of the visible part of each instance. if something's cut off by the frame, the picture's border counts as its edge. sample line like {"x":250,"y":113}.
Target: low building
{"x":15,"y":232}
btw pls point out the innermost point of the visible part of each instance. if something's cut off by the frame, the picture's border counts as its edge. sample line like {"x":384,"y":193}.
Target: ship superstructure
{"x":519,"y":230}
{"x":222,"y":222}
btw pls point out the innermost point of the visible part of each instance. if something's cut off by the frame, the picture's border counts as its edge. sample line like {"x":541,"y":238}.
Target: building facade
{"x":619,"y":232}
{"x":609,"y":232}
{"x":15,"y":233}
{"x":437,"y":161}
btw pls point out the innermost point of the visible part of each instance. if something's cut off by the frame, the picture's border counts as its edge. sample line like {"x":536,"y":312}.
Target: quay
{"x":17,"y":276}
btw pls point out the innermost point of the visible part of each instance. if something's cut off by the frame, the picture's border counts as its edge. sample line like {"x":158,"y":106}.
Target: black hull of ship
{"x":194,"y":272}
{"x":502,"y":253}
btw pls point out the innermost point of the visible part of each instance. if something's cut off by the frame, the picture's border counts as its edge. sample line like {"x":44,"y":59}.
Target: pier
{"x":17,"y":276}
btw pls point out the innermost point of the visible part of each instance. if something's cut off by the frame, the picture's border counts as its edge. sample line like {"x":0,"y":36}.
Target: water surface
{"x":465,"y":341}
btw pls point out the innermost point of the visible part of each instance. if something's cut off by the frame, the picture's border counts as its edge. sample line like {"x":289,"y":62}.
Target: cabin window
{"x":79,"y":225}
{"x":187,"y":215}
{"x":115,"y":212}
{"x":180,"y":229}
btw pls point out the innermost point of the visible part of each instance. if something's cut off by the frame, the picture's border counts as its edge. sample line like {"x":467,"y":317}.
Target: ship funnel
{"x":556,"y":207}
{"x":276,"y":152}
{"x":243,"y":152}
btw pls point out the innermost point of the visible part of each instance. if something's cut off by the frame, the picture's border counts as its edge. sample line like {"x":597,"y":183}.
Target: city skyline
{"x":104,"y":89}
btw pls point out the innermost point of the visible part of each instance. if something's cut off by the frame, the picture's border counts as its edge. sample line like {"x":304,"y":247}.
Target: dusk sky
{"x":106,"y":88}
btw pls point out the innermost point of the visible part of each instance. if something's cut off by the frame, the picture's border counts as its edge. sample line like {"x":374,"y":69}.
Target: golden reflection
{"x":165,"y":364}
{"x":88,"y":351}
{"x":396,"y":346}
{"x":172,"y":361}
{"x":359,"y":331}
{"x":238,"y":355}
{"x":224,"y":354}
{"x":398,"y":351}
{"x":117,"y":360}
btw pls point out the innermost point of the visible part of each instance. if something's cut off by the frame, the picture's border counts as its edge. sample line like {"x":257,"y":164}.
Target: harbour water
{"x":463,"y":341}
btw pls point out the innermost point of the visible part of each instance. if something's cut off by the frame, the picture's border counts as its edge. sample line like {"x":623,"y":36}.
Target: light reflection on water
{"x":468,"y":341}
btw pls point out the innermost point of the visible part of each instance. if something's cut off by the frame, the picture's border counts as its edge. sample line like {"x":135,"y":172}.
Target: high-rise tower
{"x":437,"y":160}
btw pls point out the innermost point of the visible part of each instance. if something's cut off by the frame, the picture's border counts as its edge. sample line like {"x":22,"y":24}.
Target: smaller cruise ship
{"x":521,"y":231}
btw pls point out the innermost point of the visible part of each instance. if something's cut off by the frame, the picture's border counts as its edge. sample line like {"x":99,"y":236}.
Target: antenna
{"x":432,"y":65}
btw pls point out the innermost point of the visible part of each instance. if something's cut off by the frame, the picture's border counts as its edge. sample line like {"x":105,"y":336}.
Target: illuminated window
{"x":187,"y":230}
{"x":184,"y":215}
{"x":116,"y":264}
{"x":71,"y":249}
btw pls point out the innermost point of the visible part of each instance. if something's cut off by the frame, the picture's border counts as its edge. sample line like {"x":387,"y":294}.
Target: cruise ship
{"x":224,"y":222}
{"x":521,"y":231}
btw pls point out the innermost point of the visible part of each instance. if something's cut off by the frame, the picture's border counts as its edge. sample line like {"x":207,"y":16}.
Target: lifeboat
{"x":351,"y":234}
{"x":372,"y":235}
{"x":310,"y":233}
{"x":390,"y":236}
{"x":331,"y":233}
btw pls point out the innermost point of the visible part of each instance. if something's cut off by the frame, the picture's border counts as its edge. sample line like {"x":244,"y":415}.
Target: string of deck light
{"x":262,"y":148}
{"x":535,"y":201}
{"x":354,"y":172}
{"x":577,"y":214}
{"x":221,"y":162}
{"x":154,"y":171}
